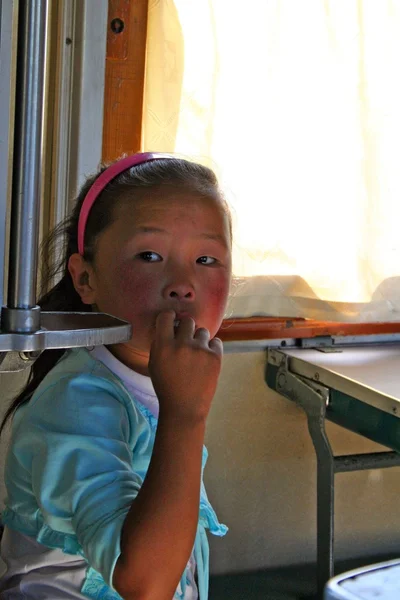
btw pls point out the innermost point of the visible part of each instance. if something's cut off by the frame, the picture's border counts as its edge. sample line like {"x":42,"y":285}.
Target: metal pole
{"x":21,"y":313}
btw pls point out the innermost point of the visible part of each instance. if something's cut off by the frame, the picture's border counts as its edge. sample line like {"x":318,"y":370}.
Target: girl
{"x":104,"y":471}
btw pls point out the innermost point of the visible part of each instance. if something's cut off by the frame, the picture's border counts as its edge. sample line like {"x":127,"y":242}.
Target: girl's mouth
{"x":179,"y":317}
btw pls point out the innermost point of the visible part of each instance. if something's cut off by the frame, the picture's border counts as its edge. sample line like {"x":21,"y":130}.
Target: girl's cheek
{"x":218,"y":296}
{"x":222,"y":287}
{"x":135,"y":289}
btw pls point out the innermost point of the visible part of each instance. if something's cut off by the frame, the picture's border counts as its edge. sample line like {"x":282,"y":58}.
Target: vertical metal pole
{"x":21,"y":313}
{"x":7,"y":86}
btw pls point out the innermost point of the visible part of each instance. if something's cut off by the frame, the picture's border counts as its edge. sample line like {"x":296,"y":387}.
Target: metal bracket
{"x":60,"y":330}
{"x":10,"y":362}
{"x":319,"y":341}
{"x":20,"y":320}
{"x":304,"y":392}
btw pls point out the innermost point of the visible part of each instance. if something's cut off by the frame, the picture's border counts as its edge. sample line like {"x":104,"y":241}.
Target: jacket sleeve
{"x":82,"y":473}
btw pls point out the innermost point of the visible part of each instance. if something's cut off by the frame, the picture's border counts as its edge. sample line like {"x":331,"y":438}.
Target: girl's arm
{"x":160,"y":528}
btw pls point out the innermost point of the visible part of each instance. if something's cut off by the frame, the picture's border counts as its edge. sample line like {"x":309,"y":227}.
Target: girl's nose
{"x":179,"y":291}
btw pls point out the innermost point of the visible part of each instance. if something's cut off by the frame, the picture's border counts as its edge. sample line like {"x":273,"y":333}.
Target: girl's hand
{"x":184,"y":367}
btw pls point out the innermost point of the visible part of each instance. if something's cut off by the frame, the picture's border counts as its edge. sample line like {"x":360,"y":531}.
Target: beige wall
{"x":260,"y":478}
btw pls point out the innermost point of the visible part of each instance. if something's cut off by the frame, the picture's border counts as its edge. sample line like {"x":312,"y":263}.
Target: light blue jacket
{"x":78,"y":455}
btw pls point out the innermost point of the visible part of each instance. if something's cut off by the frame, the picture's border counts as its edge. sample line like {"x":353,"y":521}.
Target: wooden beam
{"x":124,"y":80}
{"x":268,"y":328}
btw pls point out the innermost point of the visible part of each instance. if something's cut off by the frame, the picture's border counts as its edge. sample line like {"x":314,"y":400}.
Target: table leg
{"x":325,"y":495}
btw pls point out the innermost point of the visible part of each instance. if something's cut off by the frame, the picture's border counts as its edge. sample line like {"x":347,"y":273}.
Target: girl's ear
{"x":83,"y":278}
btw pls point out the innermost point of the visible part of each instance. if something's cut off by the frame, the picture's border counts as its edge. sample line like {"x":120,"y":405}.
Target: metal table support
{"x":314,"y":398}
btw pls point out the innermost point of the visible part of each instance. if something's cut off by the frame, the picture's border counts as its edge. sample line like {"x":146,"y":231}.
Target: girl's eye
{"x":206,"y":260}
{"x":150,"y":256}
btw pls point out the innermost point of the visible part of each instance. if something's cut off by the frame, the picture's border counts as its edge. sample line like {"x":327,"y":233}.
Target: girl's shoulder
{"x":80,"y":395}
{"x":79,"y":366}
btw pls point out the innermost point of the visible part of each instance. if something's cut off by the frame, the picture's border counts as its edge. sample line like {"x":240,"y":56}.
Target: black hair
{"x":62,"y":242}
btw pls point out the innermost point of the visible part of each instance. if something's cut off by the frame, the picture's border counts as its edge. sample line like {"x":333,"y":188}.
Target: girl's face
{"x":168,"y":250}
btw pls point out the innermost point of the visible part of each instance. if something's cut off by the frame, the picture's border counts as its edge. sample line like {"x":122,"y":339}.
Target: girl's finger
{"x":185,"y":328}
{"x":165,"y":325}
{"x":216,"y":345}
{"x":202,"y":334}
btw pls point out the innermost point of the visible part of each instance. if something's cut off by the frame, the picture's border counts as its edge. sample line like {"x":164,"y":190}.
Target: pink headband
{"x":106,"y":176}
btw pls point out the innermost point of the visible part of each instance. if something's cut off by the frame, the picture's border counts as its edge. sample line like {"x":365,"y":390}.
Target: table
{"x":359,"y":389}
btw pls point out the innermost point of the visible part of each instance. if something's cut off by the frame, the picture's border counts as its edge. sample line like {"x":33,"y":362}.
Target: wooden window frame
{"x":260,"y":328}
{"x":124,"y":78}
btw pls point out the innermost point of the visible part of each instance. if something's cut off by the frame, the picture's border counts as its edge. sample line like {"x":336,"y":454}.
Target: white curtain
{"x":296,"y":105}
